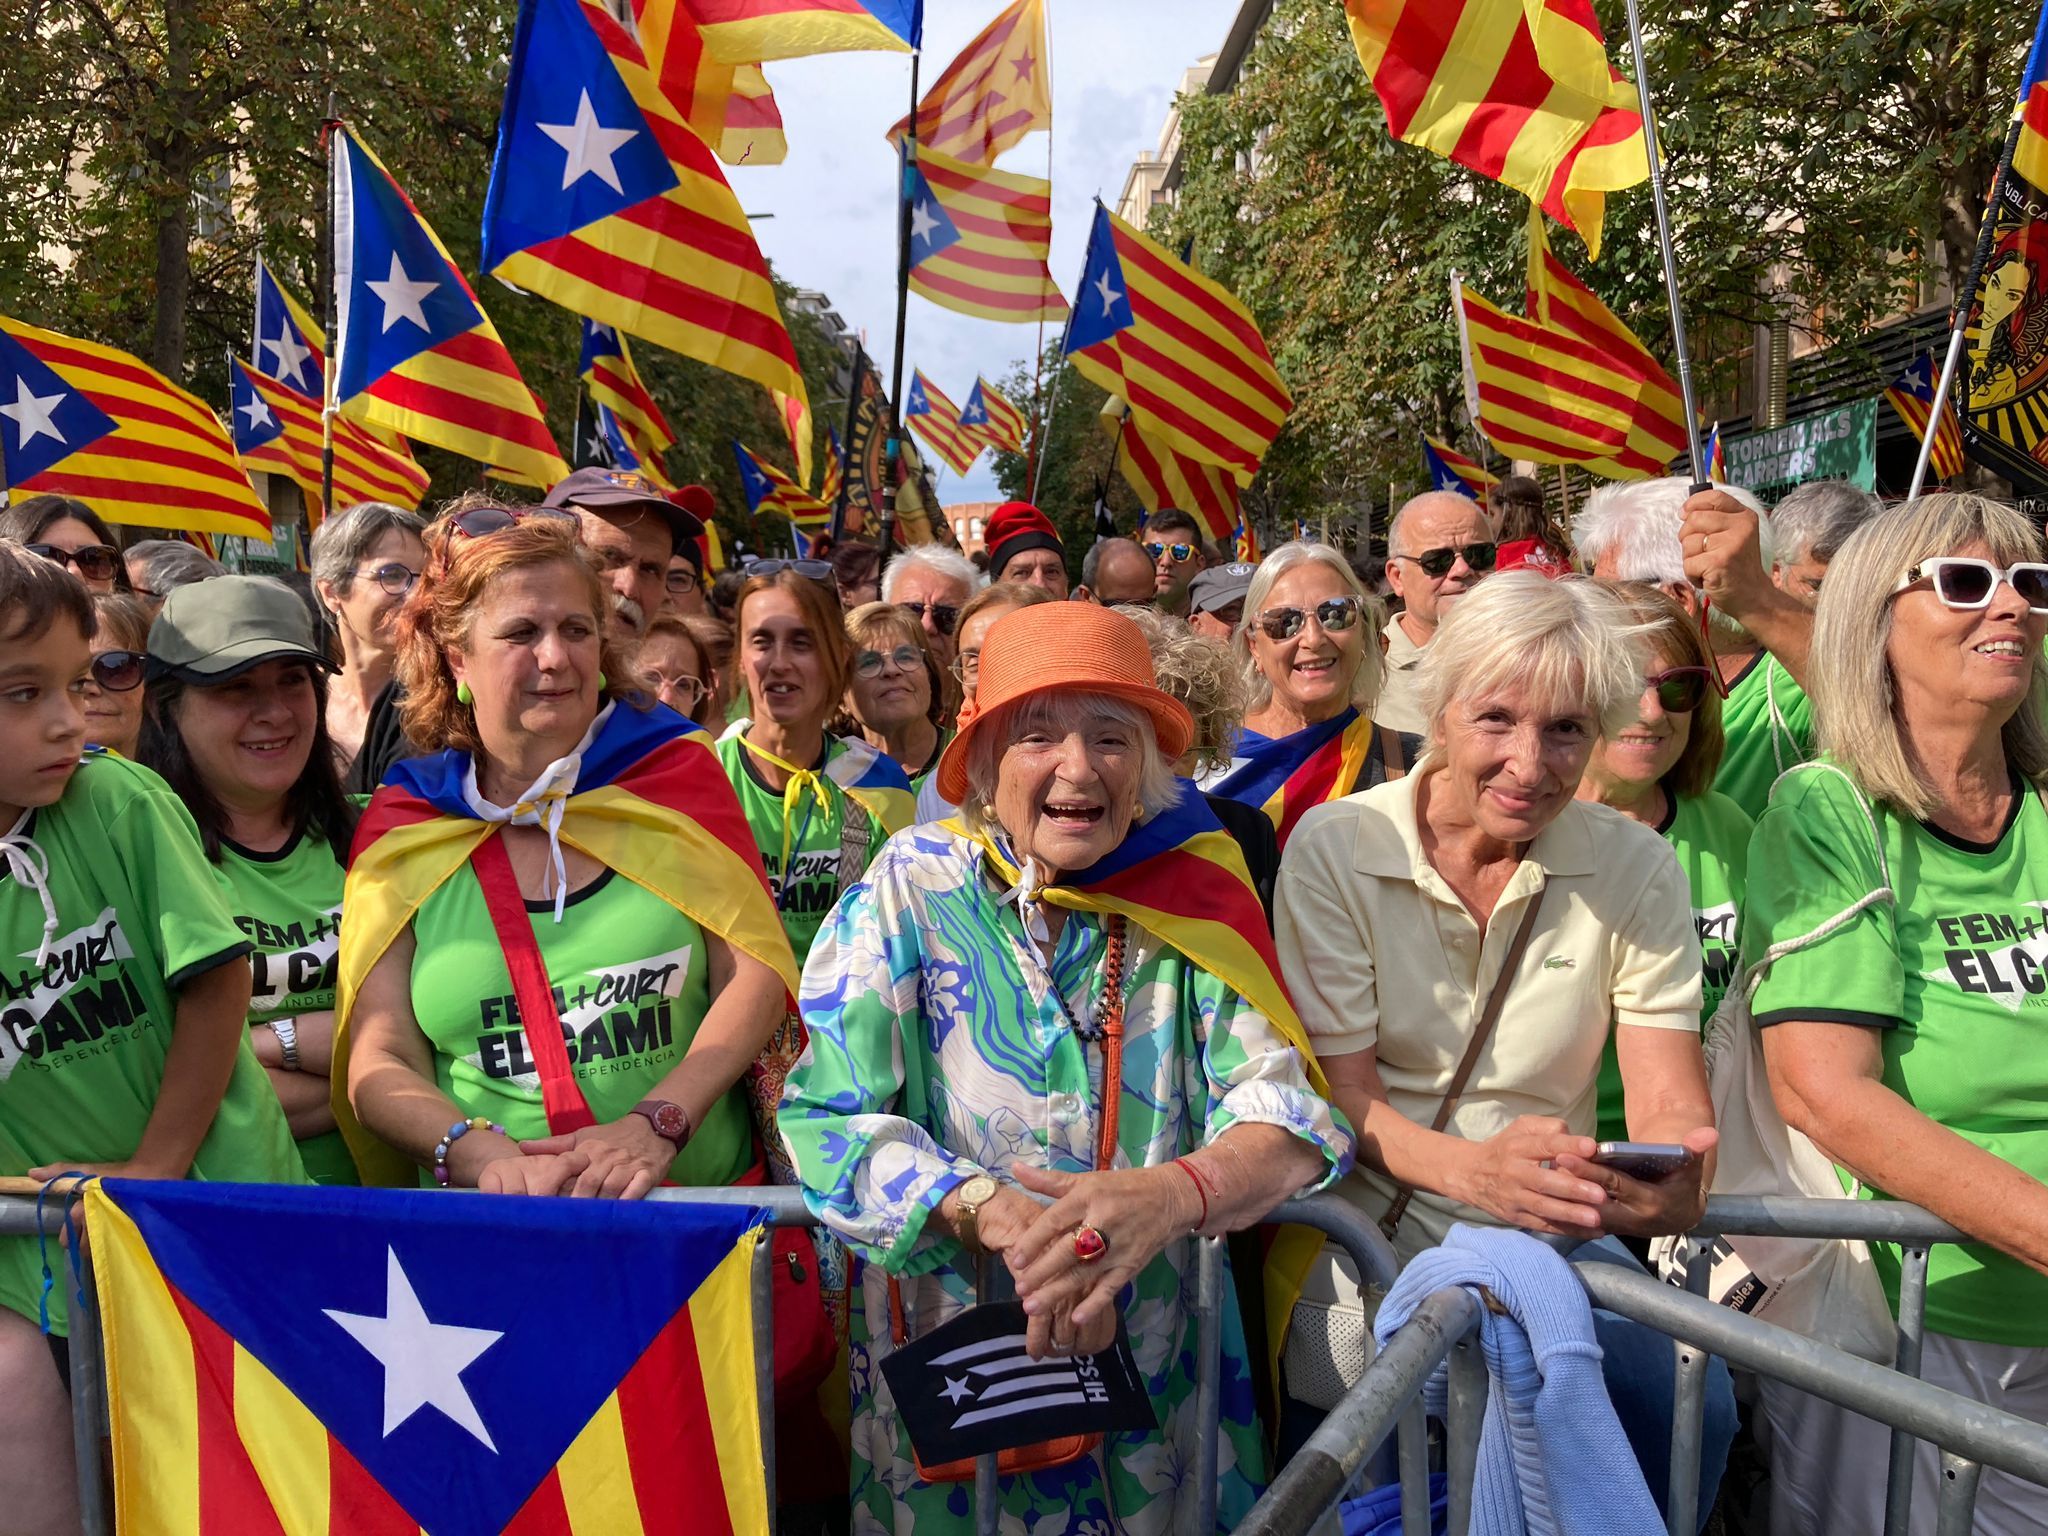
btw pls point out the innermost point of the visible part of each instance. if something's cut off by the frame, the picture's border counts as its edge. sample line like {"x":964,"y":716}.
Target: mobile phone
{"x":1648,"y":1162}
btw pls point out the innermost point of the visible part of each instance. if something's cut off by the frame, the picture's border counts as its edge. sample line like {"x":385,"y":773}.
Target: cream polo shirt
{"x":1399,"y":706}
{"x":1380,"y":954}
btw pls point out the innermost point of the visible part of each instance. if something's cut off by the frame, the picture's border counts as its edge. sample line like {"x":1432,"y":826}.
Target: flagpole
{"x":858,"y":375}
{"x":1960,"y":311}
{"x":330,"y":402}
{"x":1038,"y":357}
{"x":1650,"y":148}
{"x":1052,"y":405}
{"x":886,"y":536}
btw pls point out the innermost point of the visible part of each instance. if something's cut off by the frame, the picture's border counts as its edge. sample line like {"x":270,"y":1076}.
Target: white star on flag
{"x":922,"y":224}
{"x":591,"y":146}
{"x":955,"y":1390}
{"x":974,"y":414}
{"x":291,"y":356}
{"x":1110,"y":297}
{"x":31,"y":413}
{"x":257,"y":412}
{"x":423,"y":1361}
{"x":401,"y":296}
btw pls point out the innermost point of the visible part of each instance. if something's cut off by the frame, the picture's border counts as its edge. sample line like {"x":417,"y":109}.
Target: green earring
{"x":463,"y":696}
{"x":601,"y":683}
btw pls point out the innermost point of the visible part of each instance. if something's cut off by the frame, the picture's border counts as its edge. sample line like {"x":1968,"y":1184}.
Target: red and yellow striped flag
{"x":1164,"y":478}
{"x":979,"y":240}
{"x":103,"y":426}
{"x":1518,"y":90}
{"x":834,"y":476}
{"x":731,"y":107}
{"x":1180,"y":348}
{"x":1001,"y":425}
{"x":996,"y":91}
{"x":364,"y":469}
{"x":749,"y":31}
{"x":936,"y":419}
{"x":1912,"y":396}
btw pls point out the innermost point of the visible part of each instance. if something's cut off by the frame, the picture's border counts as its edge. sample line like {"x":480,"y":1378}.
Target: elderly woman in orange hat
{"x":964,"y":1003}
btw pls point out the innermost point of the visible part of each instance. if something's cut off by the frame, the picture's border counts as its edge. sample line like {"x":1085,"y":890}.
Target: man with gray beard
{"x":633,"y":529}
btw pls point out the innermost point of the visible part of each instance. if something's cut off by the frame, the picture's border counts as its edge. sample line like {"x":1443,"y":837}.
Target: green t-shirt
{"x":1768,"y":721}
{"x":630,"y":982}
{"x":1955,"y":979}
{"x":83,"y":1037}
{"x":1710,"y":835}
{"x":288,"y":905}
{"x":818,"y":838}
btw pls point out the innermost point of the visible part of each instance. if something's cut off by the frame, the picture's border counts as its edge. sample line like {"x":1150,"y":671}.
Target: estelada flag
{"x":353,"y":1361}
{"x":1912,"y":396}
{"x":1286,"y":775}
{"x":1163,"y":477}
{"x":751,"y":31}
{"x":1450,"y":470}
{"x":649,"y":800}
{"x":1518,"y":90}
{"x":994,"y":93}
{"x":989,"y":412}
{"x":415,"y":351}
{"x":768,"y":489}
{"x":979,"y":239}
{"x":87,"y":421}
{"x":833,"y":478}
{"x":607,"y":367}
{"x":287,"y":343}
{"x":1180,"y":349}
{"x":603,"y":200}
{"x":278,"y":430}
{"x":936,"y":419}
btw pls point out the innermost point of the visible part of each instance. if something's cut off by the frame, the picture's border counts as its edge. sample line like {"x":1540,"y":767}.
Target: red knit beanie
{"x":1014,"y":527}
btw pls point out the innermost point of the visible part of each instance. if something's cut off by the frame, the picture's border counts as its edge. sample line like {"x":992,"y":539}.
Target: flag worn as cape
{"x":1285,"y":775}
{"x":652,"y":801}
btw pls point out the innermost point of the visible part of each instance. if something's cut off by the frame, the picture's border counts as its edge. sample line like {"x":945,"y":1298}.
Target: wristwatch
{"x":973,"y":1195}
{"x":287,"y":1032}
{"x":670,"y":1121}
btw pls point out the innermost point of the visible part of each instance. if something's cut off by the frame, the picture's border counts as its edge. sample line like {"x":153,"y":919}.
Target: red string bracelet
{"x":1196,"y":1179}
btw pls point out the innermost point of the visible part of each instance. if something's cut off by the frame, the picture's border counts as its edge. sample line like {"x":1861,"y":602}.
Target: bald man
{"x":1437,"y":550}
{"x":1116,"y":571}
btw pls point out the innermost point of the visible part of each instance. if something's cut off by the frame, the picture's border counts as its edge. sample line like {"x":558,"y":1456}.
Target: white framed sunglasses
{"x":1965,"y":582}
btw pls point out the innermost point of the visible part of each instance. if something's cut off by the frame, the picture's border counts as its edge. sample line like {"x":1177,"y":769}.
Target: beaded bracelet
{"x":456,"y":1132}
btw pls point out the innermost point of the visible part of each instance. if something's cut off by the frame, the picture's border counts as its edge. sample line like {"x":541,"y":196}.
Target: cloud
{"x":1116,"y":65}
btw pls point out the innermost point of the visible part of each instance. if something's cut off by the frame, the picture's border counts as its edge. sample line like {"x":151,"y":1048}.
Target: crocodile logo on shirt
{"x":1996,"y":955}
{"x":80,"y":996}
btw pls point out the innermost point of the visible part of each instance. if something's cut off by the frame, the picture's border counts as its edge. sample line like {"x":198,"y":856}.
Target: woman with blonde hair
{"x":897,"y":693}
{"x":1907,"y":1040}
{"x":676,"y":666}
{"x":1308,"y":639}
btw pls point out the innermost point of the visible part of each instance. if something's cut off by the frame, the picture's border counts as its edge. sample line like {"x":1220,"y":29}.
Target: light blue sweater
{"x":1553,"y":1460}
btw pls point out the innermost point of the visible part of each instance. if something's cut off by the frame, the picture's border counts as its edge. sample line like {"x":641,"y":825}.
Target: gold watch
{"x":972,"y":1196}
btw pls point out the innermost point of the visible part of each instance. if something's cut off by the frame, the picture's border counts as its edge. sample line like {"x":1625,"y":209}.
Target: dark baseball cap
{"x":602,"y":490}
{"x":212,"y":630}
{"x":1220,"y":586}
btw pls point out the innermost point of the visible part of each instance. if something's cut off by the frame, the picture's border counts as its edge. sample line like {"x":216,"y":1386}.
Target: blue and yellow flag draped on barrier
{"x":362,"y":1362}
{"x":1285,"y":775}
{"x":651,"y":801}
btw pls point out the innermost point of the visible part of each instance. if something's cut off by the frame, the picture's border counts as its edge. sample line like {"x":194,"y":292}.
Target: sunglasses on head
{"x":1181,"y":553}
{"x":944,"y":615}
{"x":482,"y":522}
{"x":1681,"y":690}
{"x":810,"y":570}
{"x":1335,"y":615}
{"x":118,"y":671}
{"x":393,"y":577}
{"x":1436,"y":563}
{"x":1961,"y":581}
{"x":869,"y":664}
{"x":95,"y":562}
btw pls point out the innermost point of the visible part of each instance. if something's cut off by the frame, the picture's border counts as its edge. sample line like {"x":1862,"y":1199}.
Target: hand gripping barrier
{"x":785,"y":1207}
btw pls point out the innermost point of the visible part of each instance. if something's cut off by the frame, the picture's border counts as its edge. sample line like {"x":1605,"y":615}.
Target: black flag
{"x":969,"y":1389}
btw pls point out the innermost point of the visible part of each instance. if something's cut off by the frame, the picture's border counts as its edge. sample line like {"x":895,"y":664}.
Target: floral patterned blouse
{"x":939,"y":1049}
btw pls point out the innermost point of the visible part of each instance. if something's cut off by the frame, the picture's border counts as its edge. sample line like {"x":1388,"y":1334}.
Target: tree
{"x":1079,"y":463}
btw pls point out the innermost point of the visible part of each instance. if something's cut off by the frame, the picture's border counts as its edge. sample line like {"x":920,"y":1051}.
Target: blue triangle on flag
{"x":975,"y":412}
{"x":752,"y":481}
{"x":573,"y":144}
{"x":454,"y":1344}
{"x":1442,"y":476}
{"x":402,"y":297}
{"x":1103,"y":306}
{"x":599,"y":341}
{"x":255,"y":423}
{"x":282,"y":350}
{"x":917,"y":402}
{"x":932,"y":229}
{"x":43,"y":420}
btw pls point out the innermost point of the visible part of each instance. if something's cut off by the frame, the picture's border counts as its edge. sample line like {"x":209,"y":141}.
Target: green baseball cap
{"x":212,"y":630}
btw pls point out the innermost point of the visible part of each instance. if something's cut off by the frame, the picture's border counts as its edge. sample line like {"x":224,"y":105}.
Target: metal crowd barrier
{"x":1327,"y":1213}
{"x":1972,"y":1435}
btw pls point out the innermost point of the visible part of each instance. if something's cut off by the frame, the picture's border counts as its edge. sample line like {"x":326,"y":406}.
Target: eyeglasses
{"x":1681,"y":690}
{"x":1436,"y":563}
{"x":966,"y":665}
{"x":95,"y":562}
{"x":395,"y":578}
{"x":482,"y":522}
{"x":118,"y":671}
{"x":685,"y":580}
{"x":1963,"y":582}
{"x":869,"y":663}
{"x":944,"y":615}
{"x":689,"y":691}
{"x":1181,"y":553}
{"x":810,"y":570}
{"x":1335,"y":615}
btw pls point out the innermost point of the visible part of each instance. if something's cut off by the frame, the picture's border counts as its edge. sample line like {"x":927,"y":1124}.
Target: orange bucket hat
{"x":1069,"y":647}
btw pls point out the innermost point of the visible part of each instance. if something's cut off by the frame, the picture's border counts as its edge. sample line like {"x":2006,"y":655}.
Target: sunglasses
{"x":95,"y":562}
{"x":944,"y":615}
{"x":1182,"y":553}
{"x":1963,"y":582}
{"x":482,"y":522}
{"x":869,"y":663}
{"x":1681,"y":690}
{"x":810,"y":570}
{"x":394,"y":578}
{"x":118,"y":671}
{"x":1335,"y":615}
{"x":1436,"y":563}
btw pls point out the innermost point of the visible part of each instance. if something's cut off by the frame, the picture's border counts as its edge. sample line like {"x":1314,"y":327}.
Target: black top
{"x":1253,"y":831}
{"x":384,"y":743}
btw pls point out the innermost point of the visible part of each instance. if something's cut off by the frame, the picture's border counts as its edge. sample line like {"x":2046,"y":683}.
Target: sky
{"x":1115,"y":67}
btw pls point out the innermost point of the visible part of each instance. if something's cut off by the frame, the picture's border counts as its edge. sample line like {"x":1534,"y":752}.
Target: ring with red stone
{"x":1089,"y":1245}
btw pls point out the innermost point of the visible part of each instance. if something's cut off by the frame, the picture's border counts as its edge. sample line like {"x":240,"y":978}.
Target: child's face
{"x":42,"y":717}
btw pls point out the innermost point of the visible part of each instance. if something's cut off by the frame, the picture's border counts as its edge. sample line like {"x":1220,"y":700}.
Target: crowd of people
{"x":1051,"y":924}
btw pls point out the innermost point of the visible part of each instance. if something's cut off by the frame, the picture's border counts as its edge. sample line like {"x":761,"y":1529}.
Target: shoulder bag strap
{"x":560,"y":1096}
{"x":1495,"y":1001}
